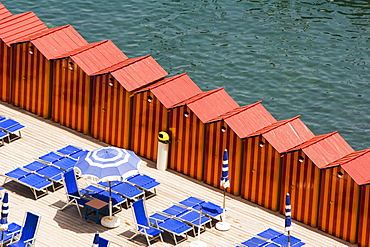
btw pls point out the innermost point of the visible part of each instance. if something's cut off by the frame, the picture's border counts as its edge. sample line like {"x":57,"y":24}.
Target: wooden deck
{"x":66,"y":228}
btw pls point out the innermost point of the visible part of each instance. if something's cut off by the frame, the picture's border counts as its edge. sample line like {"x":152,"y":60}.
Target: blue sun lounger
{"x":3,"y":135}
{"x":144,"y":182}
{"x":103,"y":195}
{"x":35,"y":182}
{"x":192,"y":218}
{"x":51,"y":157}
{"x":173,"y":226}
{"x":72,"y":151}
{"x":208,"y":208}
{"x":52,"y":173}
{"x":128,"y":191}
{"x":11,"y":126}
{"x":12,"y":231}
{"x":64,"y":163}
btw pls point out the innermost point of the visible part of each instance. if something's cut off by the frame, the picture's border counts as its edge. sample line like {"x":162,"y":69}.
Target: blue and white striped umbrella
{"x":288,"y":213}
{"x":225,"y":171}
{"x":108,"y":164}
{"x":4,"y":213}
{"x":96,"y":240}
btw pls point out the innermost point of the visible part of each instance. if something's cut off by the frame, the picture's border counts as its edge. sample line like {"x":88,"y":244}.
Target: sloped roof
{"x":173,"y":90}
{"x":54,"y":42}
{"x":209,"y":105}
{"x":357,"y":165}
{"x":18,"y":28}
{"x":4,"y":12}
{"x":248,"y":119}
{"x":285,"y":134}
{"x":136,"y":73}
{"x":325,"y":149}
{"x":97,"y":56}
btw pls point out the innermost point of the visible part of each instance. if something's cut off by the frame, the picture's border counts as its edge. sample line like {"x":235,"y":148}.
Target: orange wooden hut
{"x":150,"y":113}
{"x":301,"y":173}
{"x":14,"y":30}
{"x":32,"y":73}
{"x":72,"y":90}
{"x":4,"y":12}
{"x":111,"y":102}
{"x":262,"y":160}
{"x":187,"y":129}
{"x":344,"y":198}
{"x":228,"y":131}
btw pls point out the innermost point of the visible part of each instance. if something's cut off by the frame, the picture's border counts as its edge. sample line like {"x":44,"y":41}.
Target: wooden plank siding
{"x":31,"y":85}
{"x":5,"y":71}
{"x":302,"y":181}
{"x":111,"y":105}
{"x":71,"y":96}
{"x":219,"y":137}
{"x":149,"y":117}
{"x":364,"y":217}
{"x":261,"y":173}
{"x":187,"y":142}
{"x":68,"y":229}
{"x":339,"y":204}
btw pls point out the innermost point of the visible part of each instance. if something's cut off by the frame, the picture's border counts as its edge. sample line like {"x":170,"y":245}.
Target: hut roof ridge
{"x":202,"y":95}
{"x":165,"y":81}
{"x":273,"y":126}
{"x":235,"y":111}
{"x":348,"y":158}
{"x":312,"y":141}
{"x":87,"y":47}
{"x":47,"y":32}
{"x":4,"y":12}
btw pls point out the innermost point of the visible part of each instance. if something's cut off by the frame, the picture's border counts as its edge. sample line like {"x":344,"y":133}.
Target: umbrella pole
{"x":2,"y":238}
{"x":110,"y":200}
{"x":289,"y":238}
{"x":224,"y":206}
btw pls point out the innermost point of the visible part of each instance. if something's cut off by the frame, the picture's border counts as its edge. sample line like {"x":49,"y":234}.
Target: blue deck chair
{"x":191,"y":217}
{"x":175,"y":227}
{"x":270,"y":234}
{"x":35,"y":182}
{"x":255,"y":242}
{"x":74,"y":196}
{"x":51,"y":157}
{"x":283,"y":241}
{"x":11,"y":126}
{"x":128,"y":191}
{"x":145,"y":183}
{"x":78,"y":154}
{"x":64,"y":163}
{"x":142,"y":223}
{"x":12,"y":231}
{"x":28,"y":232}
{"x":68,"y":150}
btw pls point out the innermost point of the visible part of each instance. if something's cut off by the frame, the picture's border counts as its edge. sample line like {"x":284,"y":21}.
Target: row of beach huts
{"x":96,"y":89}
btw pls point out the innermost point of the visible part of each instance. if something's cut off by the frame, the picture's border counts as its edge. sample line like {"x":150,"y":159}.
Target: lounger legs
{"x":74,"y":201}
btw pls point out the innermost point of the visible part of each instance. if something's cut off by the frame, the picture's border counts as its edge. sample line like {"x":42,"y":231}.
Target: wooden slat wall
{"x":216,"y":142}
{"x":302,"y":181}
{"x":71,"y":96}
{"x":31,"y":80}
{"x":110,"y":120}
{"x":261,"y":173}
{"x":339,"y":204}
{"x":187,"y":143}
{"x":148,"y":119}
{"x":5,"y":71}
{"x":364,"y":219}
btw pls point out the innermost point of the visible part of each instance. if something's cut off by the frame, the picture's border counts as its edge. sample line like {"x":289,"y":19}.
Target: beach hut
{"x":14,"y":30}
{"x":301,"y":173}
{"x":344,"y":198}
{"x":32,"y":73}
{"x":150,"y":113}
{"x":4,"y":12}
{"x":261,"y":177}
{"x":72,"y":82}
{"x":111,"y":102}
{"x":187,"y":129}
{"x":227,"y":131}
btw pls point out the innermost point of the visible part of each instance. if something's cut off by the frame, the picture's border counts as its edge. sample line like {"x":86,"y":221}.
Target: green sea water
{"x":308,"y":58}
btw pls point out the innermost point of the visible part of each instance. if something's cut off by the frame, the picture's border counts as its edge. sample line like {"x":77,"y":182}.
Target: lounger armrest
{"x":155,"y":220}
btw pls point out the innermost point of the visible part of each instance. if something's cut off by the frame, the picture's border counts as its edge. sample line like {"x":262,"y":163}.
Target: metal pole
{"x":289,"y":238}
{"x":200,"y":222}
{"x":110,"y":200}
{"x":224,"y":206}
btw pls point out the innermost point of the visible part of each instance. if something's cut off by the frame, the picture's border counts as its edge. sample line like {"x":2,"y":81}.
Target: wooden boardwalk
{"x":66,"y":228}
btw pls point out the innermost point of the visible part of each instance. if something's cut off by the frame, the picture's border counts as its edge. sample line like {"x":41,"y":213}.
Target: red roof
{"x":18,"y":28}
{"x":357,"y":165}
{"x":4,"y":12}
{"x":324,"y":149}
{"x":285,"y":134}
{"x":248,"y":119}
{"x":95,"y":57}
{"x":173,"y":90}
{"x":136,"y":73}
{"x":57,"y":41}
{"x":211,"y":104}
